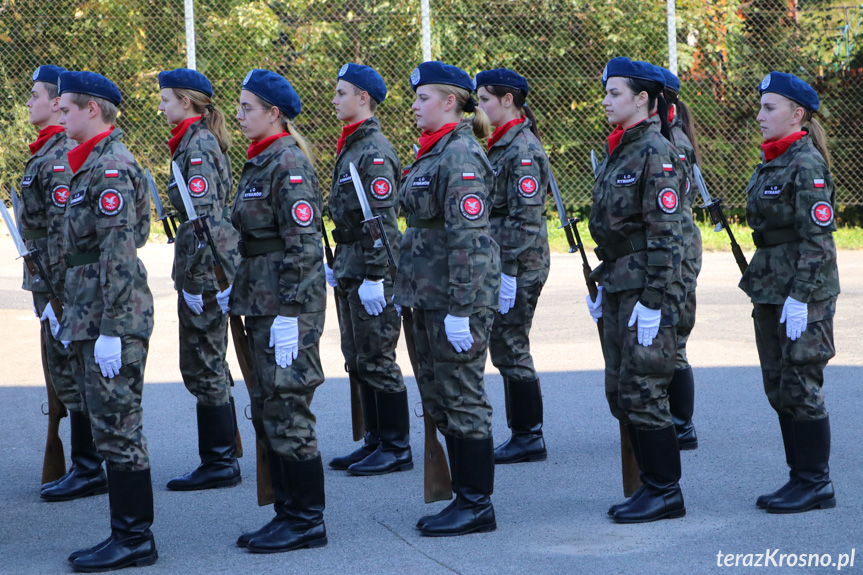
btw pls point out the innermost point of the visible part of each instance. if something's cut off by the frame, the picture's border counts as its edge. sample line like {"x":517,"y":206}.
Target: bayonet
{"x":31,"y":259}
{"x":160,"y":209}
{"x":717,"y":217}
{"x":368,"y":215}
{"x":16,"y":207}
{"x":593,"y":162}
{"x":565,"y":223}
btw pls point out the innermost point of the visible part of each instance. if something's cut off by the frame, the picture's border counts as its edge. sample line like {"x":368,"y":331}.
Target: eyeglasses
{"x":243,"y":109}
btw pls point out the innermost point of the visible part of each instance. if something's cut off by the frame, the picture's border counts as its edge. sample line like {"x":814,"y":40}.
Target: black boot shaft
{"x":86,"y":476}
{"x":393,"y":453}
{"x":681,"y":402}
{"x":524,"y":415}
{"x":370,"y":440}
{"x":813,"y":488}
{"x":217,"y":444}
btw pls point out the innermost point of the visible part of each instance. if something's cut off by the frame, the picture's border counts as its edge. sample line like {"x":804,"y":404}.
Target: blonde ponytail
{"x":819,"y":137}
{"x":465,"y":103}
{"x":213,"y":117}
{"x":302,"y":142}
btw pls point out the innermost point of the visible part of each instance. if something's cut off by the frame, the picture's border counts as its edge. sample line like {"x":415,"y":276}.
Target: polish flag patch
{"x":378,"y":161}
{"x":468,"y":176}
{"x":59,"y":169}
{"x":682,"y":157}
{"x":196,"y":161}
{"x":296,"y":179}
{"x":667,"y":167}
{"x":818,"y":183}
{"x":112,"y":173}
{"x":527,"y":162}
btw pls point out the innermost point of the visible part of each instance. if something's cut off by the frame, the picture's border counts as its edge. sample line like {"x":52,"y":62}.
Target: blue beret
{"x":791,"y":87}
{"x":89,"y":83}
{"x":671,"y":81}
{"x":439,"y":73}
{"x":185,"y":79}
{"x":502,"y":77}
{"x":626,"y":68}
{"x":275,"y":90}
{"x":365,"y":78}
{"x":48,"y":74}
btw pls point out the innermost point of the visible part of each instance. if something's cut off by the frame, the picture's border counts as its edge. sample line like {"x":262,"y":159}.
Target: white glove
{"x":52,"y":318}
{"x":507,"y":293}
{"x":331,"y":278}
{"x":195,"y":302}
{"x":65,"y":344}
{"x":285,"y":336}
{"x":224,"y":299}
{"x":648,"y":323}
{"x":458,"y":332}
{"x":795,"y":316}
{"x":108,"y":355}
{"x":372,"y":296}
{"x":397,"y":306}
{"x":595,"y":307}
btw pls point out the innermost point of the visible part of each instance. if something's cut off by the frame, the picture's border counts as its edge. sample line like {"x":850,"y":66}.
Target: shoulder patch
{"x":527,"y":162}
{"x":528,"y":187}
{"x":468,"y":176}
{"x":667,"y":200}
{"x":818,"y":182}
{"x":196,"y":161}
{"x":378,"y":161}
{"x":112,"y":173}
{"x":682,"y":157}
{"x":296,"y":179}
{"x":59,"y":168}
{"x":302,"y":213}
{"x":667,"y":167}
{"x":822,"y":214}
{"x":382,"y":189}
{"x":25,"y":183}
{"x":60,"y":195}
{"x":472,"y":207}
{"x":198,"y":186}
{"x":110,"y":202}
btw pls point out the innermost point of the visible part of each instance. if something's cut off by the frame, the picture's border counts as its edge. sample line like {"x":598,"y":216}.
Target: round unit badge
{"x":667,"y":200}
{"x":248,"y":77}
{"x":60,"y":195}
{"x":110,"y":202}
{"x":822,"y":214}
{"x":198,"y":186}
{"x":472,"y":207}
{"x":343,"y":70}
{"x":381,"y":188}
{"x":765,"y":82}
{"x":527,"y":186}
{"x":415,"y":77}
{"x":302,"y":213}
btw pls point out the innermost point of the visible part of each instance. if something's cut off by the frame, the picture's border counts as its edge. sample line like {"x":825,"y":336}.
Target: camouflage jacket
{"x":207,"y":171}
{"x":451,"y":262}
{"x":636,"y":200}
{"x":691,"y":233}
{"x":517,"y":218}
{"x":794,"y":193}
{"x":380,"y":170}
{"x":279,"y":199}
{"x":44,"y":193}
{"x":108,"y":217}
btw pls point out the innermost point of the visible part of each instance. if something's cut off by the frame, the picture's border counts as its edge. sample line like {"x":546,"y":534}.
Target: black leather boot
{"x":280,"y":495}
{"x":472,"y":462}
{"x":216,"y":445}
{"x":371,"y":439}
{"x":633,"y":441}
{"x":450,"y":449}
{"x":786,"y":423}
{"x":131,"y":543}
{"x":524,"y":417}
{"x":300,"y":522}
{"x":661,"y":497}
{"x":393,"y":453}
{"x":813,"y":488}
{"x":86,"y":477}
{"x":681,"y":401}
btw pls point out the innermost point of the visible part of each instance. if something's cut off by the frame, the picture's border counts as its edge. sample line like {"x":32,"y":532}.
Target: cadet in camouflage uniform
{"x":109,"y":310}
{"x":44,"y":193}
{"x":518,"y":226}
{"x":369,"y":323}
{"x":281,"y":289}
{"x":636,"y":223}
{"x":793,"y":279}
{"x":449,"y":272}
{"x":199,"y":147}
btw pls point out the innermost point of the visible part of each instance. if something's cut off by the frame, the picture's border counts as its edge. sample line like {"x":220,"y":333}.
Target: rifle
{"x":167,"y":220}
{"x":628,"y":464}
{"x":437,"y":485}
{"x":717,"y":217}
{"x":357,"y":424}
{"x":54,"y":462}
{"x":238,"y":336}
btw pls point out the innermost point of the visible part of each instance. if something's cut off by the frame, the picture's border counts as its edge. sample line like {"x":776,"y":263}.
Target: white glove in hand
{"x":458,"y":332}
{"x":595,"y":307}
{"x":224,"y":299}
{"x":108,"y":355}
{"x":795,"y":316}
{"x":331,"y":278}
{"x":195,"y":302}
{"x":372,"y":296}
{"x":52,"y":319}
{"x":507,"y":293}
{"x":65,"y":344}
{"x":648,"y":323}
{"x":285,"y":336}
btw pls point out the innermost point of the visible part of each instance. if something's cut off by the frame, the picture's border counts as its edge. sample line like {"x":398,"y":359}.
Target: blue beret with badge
{"x":185,"y":79}
{"x":791,"y":87}
{"x":275,"y":90}
{"x":48,"y":74}
{"x":365,"y":78}
{"x":626,"y":68}
{"x":502,"y":77}
{"x":89,"y":83}
{"x":436,"y":72}
{"x":672,"y":82}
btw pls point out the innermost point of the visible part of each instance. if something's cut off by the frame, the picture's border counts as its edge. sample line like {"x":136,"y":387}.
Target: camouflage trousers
{"x":60,"y":362}
{"x":510,"y":335}
{"x":452,"y":384}
{"x":368,"y":341}
{"x":282,"y":397}
{"x":793,"y":371}
{"x":114,"y":404}
{"x":684,"y":328}
{"x":636,"y":377}
{"x":203,"y":345}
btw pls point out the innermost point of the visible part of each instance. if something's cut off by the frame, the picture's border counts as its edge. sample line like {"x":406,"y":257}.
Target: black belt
{"x":767,"y":238}
{"x":348,"y":235}
{"x":251,"y":248}
{"x":436,"y":224}
{"x":499,"y":213}
{"x":35,"y":234}
{"x":620,"y":249}
{"x":82,"y":259}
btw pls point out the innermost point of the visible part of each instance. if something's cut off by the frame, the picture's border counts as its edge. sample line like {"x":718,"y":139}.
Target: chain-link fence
{"x":561,"y":46}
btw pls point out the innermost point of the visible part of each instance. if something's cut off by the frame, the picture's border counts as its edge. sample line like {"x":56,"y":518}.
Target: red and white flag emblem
{"x":527,"y":162}
{"x":296,"y":179}
{"x":196,"y":161}
{"x":59,"y":169}
{"x":112,"y":173}
{"x":667,"y":167}
{"x":682,"y":157}
{"x":468,"y":176}
{"x":818,"y":182}
{"x":378,"y":161}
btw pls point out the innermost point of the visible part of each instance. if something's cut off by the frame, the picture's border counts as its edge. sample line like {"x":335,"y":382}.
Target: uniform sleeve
{"x":525,"y":190}
{"x":380,"y":176}
{"x":814,"y":220}
{"x":54,"y":179}
{"x":665,"y":180}
{"x":202,"y":177}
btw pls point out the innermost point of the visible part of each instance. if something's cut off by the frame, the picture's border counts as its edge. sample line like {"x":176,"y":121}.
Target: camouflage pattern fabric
{"x":203,"y":346}
{"x":59,"y":363}
{"x":684,"y":329}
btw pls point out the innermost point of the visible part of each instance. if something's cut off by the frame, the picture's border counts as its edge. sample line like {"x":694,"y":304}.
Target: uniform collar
{"x":45,"y":134}
{"x":636,"y":131}
{"x":362,"y":130}
{"x":85,"y":154}
{"x":275,"y":147}
{"x":179,"y":131}
{"x":507,"y":132}
{"x":441,"y":144}
{"x":785,"y":158}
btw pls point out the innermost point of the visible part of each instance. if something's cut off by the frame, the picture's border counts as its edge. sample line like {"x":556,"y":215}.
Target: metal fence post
{"x":671,"y":17}
{"x":426,"y":30}
{"x":191,"y":60}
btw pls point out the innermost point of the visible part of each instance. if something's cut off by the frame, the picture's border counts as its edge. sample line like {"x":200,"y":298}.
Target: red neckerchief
{"x":671,"y":114}
{"x":256,"y":147}
{"x":775,"y":148}
{"x":429,"y":139}
{"x":616,"y":135}
{"x":500,"y":131}
{"x":44,"y":135}
{"x":346,"y":131}
{"x":179,"y":131}
{"x":78,"y":155}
